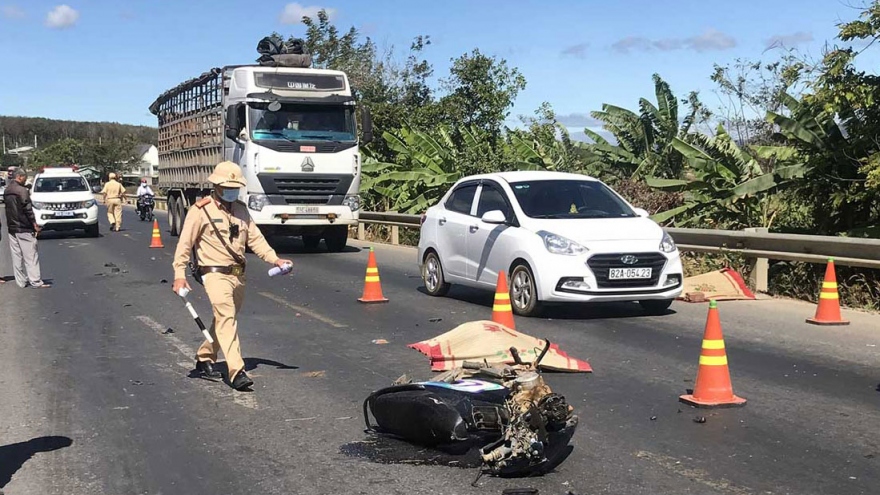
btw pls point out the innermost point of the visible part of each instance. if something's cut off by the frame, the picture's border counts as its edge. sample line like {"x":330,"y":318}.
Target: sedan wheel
{"x":432,"y":274}
{"x":523,"y":292}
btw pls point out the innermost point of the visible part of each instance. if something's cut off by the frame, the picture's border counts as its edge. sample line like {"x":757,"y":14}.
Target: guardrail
{"x":756,"y":244}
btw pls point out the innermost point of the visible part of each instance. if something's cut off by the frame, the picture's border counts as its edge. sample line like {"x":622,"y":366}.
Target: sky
{"x":107,"y":60}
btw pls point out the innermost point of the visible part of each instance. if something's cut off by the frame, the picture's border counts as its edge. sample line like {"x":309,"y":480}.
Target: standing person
{"x":23,"y":230}
{"x":114,"y":193}
{"x":218,"y":229}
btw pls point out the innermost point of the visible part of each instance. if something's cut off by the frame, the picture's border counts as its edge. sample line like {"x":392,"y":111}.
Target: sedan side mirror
{"x":96,"y":189}
{"x":494,"y":217}
{"x":641,"y":212}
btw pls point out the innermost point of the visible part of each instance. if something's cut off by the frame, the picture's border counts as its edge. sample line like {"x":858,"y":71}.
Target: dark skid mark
{"x":384,"y":450}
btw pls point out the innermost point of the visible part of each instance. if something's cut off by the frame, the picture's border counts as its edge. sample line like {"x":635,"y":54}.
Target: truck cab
{"x":293,"y":131}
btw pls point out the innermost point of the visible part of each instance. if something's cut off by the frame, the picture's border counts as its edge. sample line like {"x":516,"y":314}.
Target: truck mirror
{"x":233,"y":126}
{"x":367,"y":125}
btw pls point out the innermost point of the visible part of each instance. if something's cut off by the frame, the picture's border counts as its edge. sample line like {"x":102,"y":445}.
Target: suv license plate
{"x":64,"y":213}
{"x":307,"y":209}
{"x":629,"y":273}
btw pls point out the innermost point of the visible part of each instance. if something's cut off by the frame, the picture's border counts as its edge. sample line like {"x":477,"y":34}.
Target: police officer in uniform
{"x":114,"y":193}
{"x":218,"y":229}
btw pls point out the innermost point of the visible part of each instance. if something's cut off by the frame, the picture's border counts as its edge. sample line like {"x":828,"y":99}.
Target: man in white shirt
{"x":144,"y":189}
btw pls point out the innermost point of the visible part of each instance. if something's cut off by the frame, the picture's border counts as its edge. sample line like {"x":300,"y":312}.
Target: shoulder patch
{"x":203,"y":202}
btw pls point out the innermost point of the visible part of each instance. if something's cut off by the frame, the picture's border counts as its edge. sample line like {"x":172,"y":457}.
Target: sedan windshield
{"x":60,"y":184}
{"x":569,"y":199}
{"x":296,"y":122}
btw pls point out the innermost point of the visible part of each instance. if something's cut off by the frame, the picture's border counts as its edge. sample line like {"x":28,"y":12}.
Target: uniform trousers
{"x":226,"y":293}
{"x":114,"y":213}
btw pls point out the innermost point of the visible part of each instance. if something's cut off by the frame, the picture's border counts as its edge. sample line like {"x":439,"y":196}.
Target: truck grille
{"x":62,"y":206}
{"x":296,"y":147}
{"x":306,"y":188}
{"x":600,"y":264}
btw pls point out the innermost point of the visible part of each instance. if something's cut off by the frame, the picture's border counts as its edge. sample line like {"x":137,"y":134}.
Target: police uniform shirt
{"x":237,"y":229}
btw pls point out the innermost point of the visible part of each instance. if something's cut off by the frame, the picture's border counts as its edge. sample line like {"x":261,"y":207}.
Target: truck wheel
{"x":92,"y":230}
{"x":336,"y":238}
{"x":173,"y":219}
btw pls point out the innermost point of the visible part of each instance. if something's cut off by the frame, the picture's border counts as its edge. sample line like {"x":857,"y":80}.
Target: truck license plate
{"x":64,"y":213}
{"x":629,"y":273}
{"x":307,"y":209}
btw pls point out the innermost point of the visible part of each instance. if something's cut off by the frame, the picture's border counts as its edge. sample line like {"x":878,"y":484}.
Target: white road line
{"x":304,"y":310}
{"x":246,"y":399}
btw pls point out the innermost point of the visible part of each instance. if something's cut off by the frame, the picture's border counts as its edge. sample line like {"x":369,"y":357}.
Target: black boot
{"x":206,"y":370}
{"x":241,"y":381}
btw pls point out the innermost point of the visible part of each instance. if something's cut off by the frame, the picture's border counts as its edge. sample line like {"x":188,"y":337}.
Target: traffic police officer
{"x":218,"y":229}
{"x":114,"y":193}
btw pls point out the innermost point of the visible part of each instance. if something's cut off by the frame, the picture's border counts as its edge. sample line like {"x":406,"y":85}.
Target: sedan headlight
{"x":557,"y":244}
{"x":88,"y":204}
{"x":353,"y":202}
{"x":256,"y":202}
{"x":39,"y":206}
{"x":667,"y":245}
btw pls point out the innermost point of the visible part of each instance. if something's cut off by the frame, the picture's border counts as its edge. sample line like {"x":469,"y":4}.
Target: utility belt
{"x":237,"y":270}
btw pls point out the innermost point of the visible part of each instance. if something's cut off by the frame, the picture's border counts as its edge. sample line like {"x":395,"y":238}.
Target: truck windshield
{"x":569,"y":199}
{"x":60,"y":184}
{"x":296,"y":122}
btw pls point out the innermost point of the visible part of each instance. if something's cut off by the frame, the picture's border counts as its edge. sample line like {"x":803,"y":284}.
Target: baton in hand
{"x":182,"y":293}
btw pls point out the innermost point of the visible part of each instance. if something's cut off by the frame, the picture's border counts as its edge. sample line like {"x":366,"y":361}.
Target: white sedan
{"x":559,"y":238}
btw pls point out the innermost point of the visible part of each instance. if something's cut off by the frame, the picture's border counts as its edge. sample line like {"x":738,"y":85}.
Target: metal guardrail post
{"x":759,"y":276}
{"x":395,"y":235}
{"x":362,"y":231}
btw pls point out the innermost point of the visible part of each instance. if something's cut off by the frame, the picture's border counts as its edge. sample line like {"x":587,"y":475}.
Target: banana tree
{"x":644,"y":139}
{"x":727,"y":185}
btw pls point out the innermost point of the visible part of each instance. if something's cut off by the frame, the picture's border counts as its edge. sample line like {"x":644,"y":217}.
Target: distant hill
{"x":20,"y":131}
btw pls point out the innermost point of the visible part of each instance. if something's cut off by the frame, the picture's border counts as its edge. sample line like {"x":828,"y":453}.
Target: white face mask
{"x":229,"y":195}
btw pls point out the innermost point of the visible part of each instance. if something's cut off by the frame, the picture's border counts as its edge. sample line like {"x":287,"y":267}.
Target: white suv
{"x":559,"y":238}
{"x":62,"y":200}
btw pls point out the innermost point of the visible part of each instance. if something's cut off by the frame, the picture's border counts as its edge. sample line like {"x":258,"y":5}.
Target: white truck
{"x":291,"y":129}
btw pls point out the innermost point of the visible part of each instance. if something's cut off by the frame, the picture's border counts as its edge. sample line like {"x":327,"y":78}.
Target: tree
{"x":63,"y":152}
{"x":726,"y":185}
{"x":480,"y":91}
{"x":644,"y":139}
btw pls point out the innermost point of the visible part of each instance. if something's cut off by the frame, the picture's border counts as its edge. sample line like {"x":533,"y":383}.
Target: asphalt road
{"x":95,"y":396}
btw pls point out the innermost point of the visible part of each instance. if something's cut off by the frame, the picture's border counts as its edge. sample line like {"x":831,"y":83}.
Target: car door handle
{"x":474,"y":228}
{"x":441,"y":220}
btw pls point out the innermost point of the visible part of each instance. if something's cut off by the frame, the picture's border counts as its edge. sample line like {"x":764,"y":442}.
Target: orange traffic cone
{"x":502,"y":312}
{"x":828,"y":311}
{"x":156,"y":242}
{"x":372,"y":286}
{"x":713,"y":388}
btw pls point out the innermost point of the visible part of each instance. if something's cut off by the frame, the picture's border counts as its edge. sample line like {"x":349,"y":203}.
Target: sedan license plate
{"x":307,"y":209}
{"x":628,"y":273}
{"x":64,"y":213}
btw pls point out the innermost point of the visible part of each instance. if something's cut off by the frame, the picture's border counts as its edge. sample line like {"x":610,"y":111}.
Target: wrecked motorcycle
{"x":519,"y":424}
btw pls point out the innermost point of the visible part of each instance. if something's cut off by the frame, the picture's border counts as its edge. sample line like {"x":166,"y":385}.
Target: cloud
{"x":62,"y":17}
{"x":788,"y":40}
{"x":12,"y":12}
{"x":577,"y":51}
{"x":709,"y":40}
{"x":582,"y":136}
{"x":631,"y":43}
{"x":578,"y":120}
{"x":293,"y":13}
